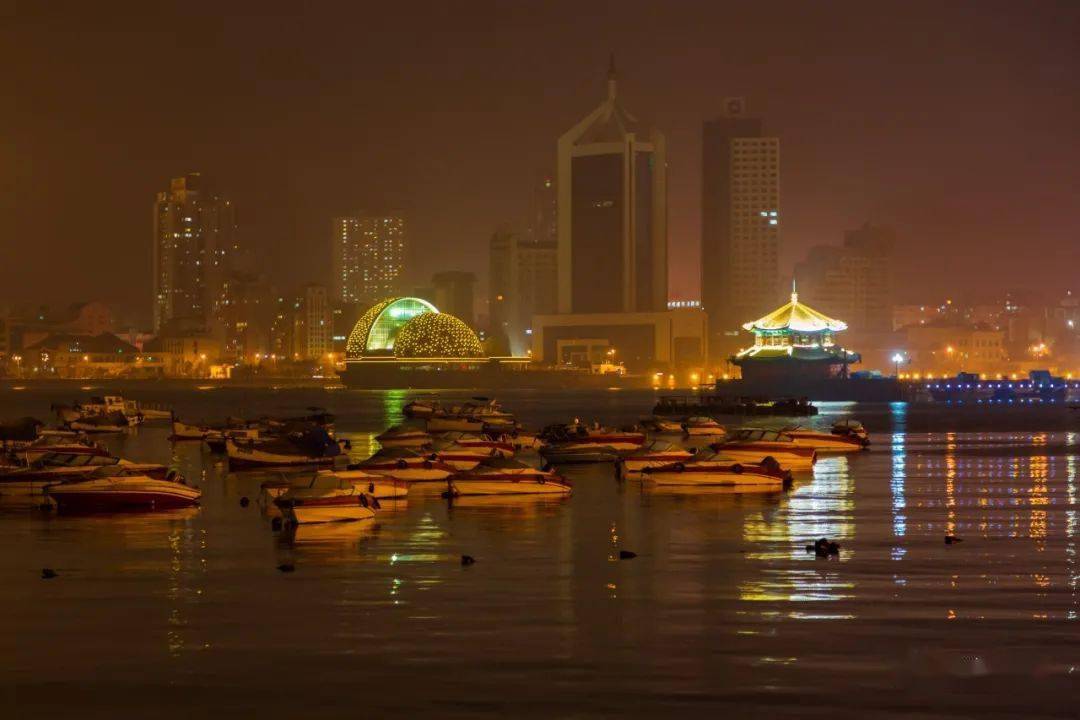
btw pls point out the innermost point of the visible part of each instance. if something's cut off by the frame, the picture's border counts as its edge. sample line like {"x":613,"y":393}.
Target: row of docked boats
{"x":268,"y":442}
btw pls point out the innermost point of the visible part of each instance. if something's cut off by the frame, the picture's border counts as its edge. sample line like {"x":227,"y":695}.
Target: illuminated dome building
{"x":407,"y":342}
{"x":794,"y":341}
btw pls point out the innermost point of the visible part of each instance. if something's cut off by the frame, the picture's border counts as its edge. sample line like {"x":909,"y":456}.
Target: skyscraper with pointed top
{"x":612,"y":212}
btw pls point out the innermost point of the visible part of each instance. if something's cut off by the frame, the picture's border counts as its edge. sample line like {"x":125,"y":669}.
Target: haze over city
{"x":953,"y":124}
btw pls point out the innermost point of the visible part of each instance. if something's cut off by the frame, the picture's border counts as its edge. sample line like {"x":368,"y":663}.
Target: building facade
{"x":455,"y":292}
{"x":522,"y":283}
{"x":611,"y":213}
{"x":740,"y":223}
{"x":318,"y":320}
{"x":368,"y":254}
{"x":195,"y":241}
{"x":854,"y":280}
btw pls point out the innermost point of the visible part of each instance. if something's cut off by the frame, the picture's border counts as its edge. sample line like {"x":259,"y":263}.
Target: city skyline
{"x":853,"y":150}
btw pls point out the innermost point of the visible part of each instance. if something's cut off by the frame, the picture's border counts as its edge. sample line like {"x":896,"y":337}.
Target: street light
{"x":897,"y":359}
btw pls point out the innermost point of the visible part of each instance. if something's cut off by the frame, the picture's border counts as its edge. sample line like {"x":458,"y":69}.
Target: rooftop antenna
{"x":794,"y":294}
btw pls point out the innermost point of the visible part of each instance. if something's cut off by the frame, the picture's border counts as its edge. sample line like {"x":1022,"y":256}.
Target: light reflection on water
{"x":721,"y":601}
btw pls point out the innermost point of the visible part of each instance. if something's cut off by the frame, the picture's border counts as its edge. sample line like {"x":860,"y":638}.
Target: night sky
{"x":954,"y":122}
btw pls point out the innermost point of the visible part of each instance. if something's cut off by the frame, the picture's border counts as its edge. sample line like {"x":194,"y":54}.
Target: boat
{"x":717,"y":403}
{"x":31,"y":480}
{"x":115,"y":488}
{"x":455,"y":423}
{"x":702,"y":426}
{"x":483,"y":415}
{"x":217,"y":440}
{"x":404,"y":436}
{"x":310,"y":447}
{"x":845,"y":436}
{"x":115,"y":422}
{"x":1039,"y":387}
{"x":19,"y":433}
{"x":377,"y":486}
{"x":576,"y":443}
{"x":326,"y":498}
{"x":59,"y":442}
{"x":184,"y":431}
{"x":754,"y":445}
{"x":105,"y":406}
{"x":710,"y":468}
{"x":655,"y":454}
{"x":405,"y":464}
{"x":420,"y":408}
{"x":505,"y":476}
{"x":662,"y":426}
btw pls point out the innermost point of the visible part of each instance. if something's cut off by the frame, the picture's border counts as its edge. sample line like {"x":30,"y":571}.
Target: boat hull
{"x":712,"y":476}
{"x":465,"y":486}
{"x":343,"y":508}
{"x":797,"y":459}
{"x":242,"y":457}
{"x":116,"y":496}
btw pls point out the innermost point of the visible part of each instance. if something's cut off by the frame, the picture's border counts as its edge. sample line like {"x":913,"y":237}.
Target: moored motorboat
{"x":30,"y":481}
{"x":662,"y":426}
{"x":326,"y":498}
{"x":311,"y":447}
{"x":576,"y":443}
{"x":701,"y":426}
{"x":405,"y":464}
{"x":116,"y":488}
{"x":754,"y":445}
{"x":185,"y":431}
{"x":115,"y":422}
{"x":655,"y":454}
{"x":850,"y":437}
{"x":504,"y":476}
{"x":404,"y":436}
{"x":420,"y":408}
{"x":713,"y":469}
{"x":380,"y":487}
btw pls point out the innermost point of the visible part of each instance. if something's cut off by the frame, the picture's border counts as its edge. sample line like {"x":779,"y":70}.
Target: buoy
{"x":467,"y":559}
{"x":244,"y":501}
{"x":275,"y":524}
{"x":286,"y":567}
{"x":47,"y":573}
{"x":627,"y":555}
{"x":950,"y":539}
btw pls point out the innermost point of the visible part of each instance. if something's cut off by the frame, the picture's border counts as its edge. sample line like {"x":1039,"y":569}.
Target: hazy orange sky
{"x":954,"y":122}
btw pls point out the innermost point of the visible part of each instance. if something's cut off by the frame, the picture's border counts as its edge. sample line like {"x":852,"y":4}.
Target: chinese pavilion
{"x":794,"y":341}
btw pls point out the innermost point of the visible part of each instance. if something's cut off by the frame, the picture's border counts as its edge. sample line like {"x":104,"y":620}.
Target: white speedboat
{"x":655,"y":454}
{"x":502,"y":476}
{"x":326,"y":498}
{"x":404,"y":436}
{"x":116,"y":488}
{"x":849,"y":437}
{"x":59,"y":442}
{"x":184,"y":431}
{"x":577,"y":443}
{"x":455,"y":423}
{"x":310,"y":447}
{"x":420,"y":408}
{"x":662,"y":426}
{"x":106,"y":423}
{"x":30,"y":481}
{"x":377,"y":486}
{"x":712,"y":469}
{"x":405,"y":464}
{"x":703,"y":427}
{"x":754,"y":445}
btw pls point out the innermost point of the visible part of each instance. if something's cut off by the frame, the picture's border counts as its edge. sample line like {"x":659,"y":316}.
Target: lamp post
{"x":897,"y":358}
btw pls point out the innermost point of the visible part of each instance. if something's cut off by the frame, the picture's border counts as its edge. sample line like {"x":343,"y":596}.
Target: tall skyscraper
{"x":368,"y":252}
{"x":195,"y":240}
{"x":740,"y":224}
{"x":543,"y":211}
{"x":612,"y":213}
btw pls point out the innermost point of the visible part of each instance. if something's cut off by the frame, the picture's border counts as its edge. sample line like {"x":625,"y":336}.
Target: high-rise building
{"x":195,"y":240}
{"x":740,"y":224}
{"x":368,"y":252}
{"x":318,"y":322}
{"x":454,"y":294}
{"x":612,"y":213}
{"x":854,"y":280}
{"x":522,"y":282}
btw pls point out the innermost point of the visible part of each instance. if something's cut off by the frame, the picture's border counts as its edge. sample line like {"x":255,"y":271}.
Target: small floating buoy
{"x":275,"y":524}
{"x":286,"y":567}
{"x":244,"y":501}
{"x":627,"y":555}
{"x":467,"y":559}
{"x":950,"y":539}
{"x":823,"y":548}
{"x":47,"y":573}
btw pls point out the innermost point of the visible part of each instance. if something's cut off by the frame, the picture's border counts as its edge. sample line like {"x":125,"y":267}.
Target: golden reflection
{"x":950,"y":483}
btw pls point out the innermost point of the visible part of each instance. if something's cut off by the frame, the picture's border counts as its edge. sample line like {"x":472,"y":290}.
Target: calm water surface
{"x":170,"y":614}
